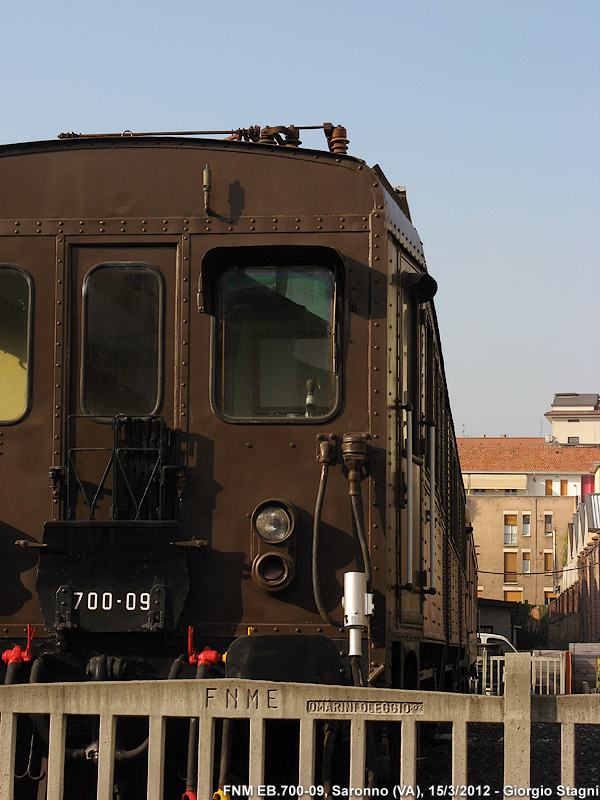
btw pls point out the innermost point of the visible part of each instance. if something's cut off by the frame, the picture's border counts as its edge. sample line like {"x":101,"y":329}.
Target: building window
{"x":510,"y":529}
{"x":478,"y":491}
{"x":548,"y":561}
{"x":564,"y":488}
{"x":526,"y":524}
{"x":15,"y":342}
{"x":510,"y":491}
{"x":549,"y":488}
{"x":549,"y":596}
{"x":572,"y":439}
{"x":548,"y":524}
{"x":526,"y":562}
{"x":510,"y":567}
{"x":514,"y":596}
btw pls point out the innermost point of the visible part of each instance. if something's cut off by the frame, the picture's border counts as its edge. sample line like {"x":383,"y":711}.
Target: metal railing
{"x":490,"y":675}
{"x":548,"y":674}
{"x":259,"y":702}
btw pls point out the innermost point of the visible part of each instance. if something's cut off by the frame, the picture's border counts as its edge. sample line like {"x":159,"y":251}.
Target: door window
{"x":121,"y":370}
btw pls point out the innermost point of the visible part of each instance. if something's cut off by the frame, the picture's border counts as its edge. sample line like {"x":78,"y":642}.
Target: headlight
{"x":273,"y":572}
{"x":274,"y":520}
{"x":272,"y":568}
{"x":272,"y":523}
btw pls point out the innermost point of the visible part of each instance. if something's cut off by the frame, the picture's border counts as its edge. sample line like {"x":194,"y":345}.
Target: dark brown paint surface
{"x":67,"y":207}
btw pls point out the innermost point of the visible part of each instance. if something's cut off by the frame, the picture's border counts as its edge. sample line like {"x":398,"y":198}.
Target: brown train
{"x":221,"y":391}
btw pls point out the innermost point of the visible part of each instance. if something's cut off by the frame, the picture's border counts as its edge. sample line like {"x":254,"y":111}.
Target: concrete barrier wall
{"x":257,"y":701}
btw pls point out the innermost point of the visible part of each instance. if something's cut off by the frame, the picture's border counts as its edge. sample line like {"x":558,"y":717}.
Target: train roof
{"x":396,"y":207}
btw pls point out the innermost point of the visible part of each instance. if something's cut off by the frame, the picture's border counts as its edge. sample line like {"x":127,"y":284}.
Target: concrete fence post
{"x":8,"y":746}
{"x":567,"y":753}
{"x":517,"y":719}
{"x":156,"y":756}
{"x":106,"y":752}
{"x":459,"y":751}
{"x":408,"y":753}
{"x":56,"y":774}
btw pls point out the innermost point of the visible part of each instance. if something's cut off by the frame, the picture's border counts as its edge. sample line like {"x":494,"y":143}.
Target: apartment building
{"x":575,"y":614}
{"x":522,"y":494}
{"x":575,"y":418}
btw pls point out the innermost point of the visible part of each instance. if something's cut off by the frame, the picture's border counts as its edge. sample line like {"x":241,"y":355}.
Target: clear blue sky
{"x":488,"y":112}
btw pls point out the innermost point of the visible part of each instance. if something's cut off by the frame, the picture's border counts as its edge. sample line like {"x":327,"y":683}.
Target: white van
{"x":495,"y":644}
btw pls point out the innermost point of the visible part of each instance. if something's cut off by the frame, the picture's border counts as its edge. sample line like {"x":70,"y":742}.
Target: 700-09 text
{"x":106,"y":601}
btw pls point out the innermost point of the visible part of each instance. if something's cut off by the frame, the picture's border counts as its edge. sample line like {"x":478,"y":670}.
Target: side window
{"x":15,"y":343}
{"x":275,"y":342}
{"x":121,"y":366}
{"x":510,"y":528}
{"x":510,"y":567}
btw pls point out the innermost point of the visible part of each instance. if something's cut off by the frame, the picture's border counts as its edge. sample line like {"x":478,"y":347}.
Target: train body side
{"x":72,"y":216}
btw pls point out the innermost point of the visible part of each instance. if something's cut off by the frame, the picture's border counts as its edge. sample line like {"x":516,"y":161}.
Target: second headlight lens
{"x":273,"y":523}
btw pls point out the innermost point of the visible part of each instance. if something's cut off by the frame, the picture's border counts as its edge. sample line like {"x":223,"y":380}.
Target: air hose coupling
{"x":354,"y":452}
{"x":326,"y":454}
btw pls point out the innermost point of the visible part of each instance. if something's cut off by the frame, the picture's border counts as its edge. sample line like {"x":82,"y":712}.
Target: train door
{"x":121,"y":398}
{"x":26,"y":373}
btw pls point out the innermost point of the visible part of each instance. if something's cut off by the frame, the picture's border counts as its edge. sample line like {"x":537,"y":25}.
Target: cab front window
{"x":276,"y":342}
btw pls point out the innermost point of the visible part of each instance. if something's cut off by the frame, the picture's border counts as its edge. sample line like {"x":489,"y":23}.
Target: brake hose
{"x":354,"y":453}
{"x":325,"y":456}
{"x":360,"y":530}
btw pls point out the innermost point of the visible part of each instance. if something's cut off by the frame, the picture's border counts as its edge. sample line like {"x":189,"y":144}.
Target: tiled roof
{"x":525,"y":455}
